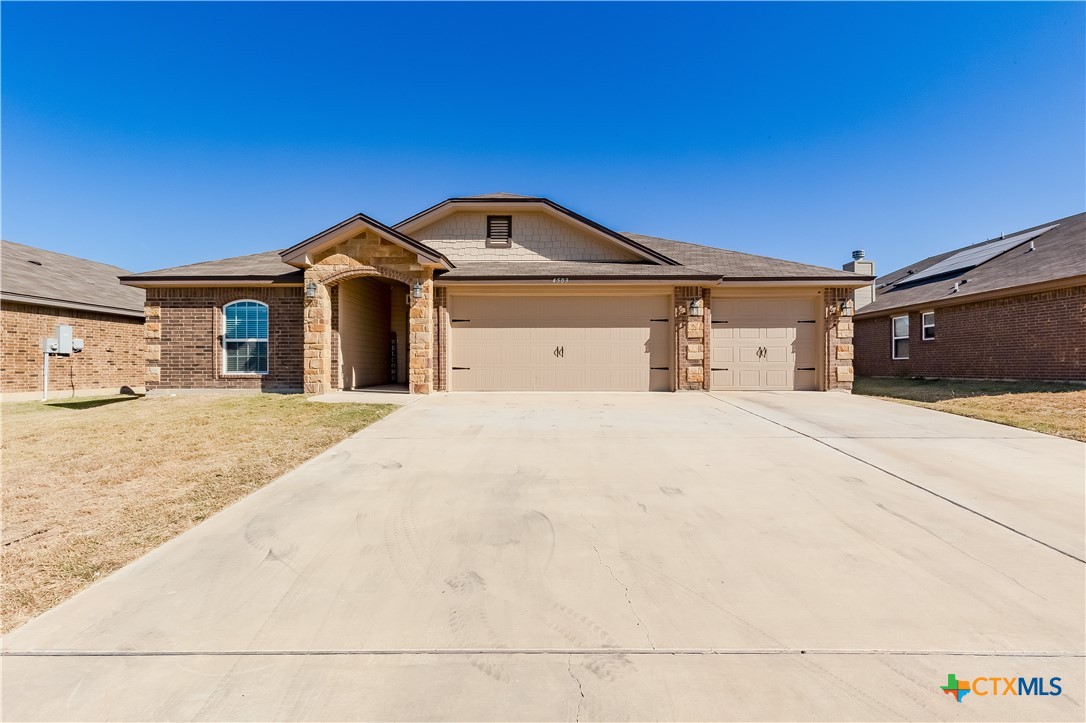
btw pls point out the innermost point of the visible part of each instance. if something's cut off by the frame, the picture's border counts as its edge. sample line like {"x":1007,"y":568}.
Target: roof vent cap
{"x":857,"y":254}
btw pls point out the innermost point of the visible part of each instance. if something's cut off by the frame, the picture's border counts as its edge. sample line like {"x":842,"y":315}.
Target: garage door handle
{"x":718,"y":369}
{"x":457,"y":369}
{"x":559,"y":351}
{"x":719,"y":322}
{"x":457,"y":321}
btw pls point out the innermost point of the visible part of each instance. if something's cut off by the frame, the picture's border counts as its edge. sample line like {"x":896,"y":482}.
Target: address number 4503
{"x":560,"y":280}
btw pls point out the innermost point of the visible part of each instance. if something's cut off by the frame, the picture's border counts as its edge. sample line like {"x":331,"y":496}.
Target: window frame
{"x":499,"y":243}
{"x":894,"y":338}
{"x":924,"y":325}
{"x":266,"y":340}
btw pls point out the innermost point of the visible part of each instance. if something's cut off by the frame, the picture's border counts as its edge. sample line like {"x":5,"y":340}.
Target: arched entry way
{"x":370,"y":332}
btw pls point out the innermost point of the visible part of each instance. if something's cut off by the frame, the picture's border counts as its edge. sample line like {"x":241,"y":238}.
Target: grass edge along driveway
{"x":1051,"y":408}
{"x":91,"y":484}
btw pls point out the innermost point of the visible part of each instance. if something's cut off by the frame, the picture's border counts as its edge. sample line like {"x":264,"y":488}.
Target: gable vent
{"x":499,"y":231}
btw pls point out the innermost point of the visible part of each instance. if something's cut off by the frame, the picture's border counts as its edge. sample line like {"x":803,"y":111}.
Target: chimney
{"x":866,"y":267}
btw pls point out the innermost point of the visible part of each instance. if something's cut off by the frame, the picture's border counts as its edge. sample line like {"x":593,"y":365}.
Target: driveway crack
{"x":580,"y":689}
{"x":626,"y":593}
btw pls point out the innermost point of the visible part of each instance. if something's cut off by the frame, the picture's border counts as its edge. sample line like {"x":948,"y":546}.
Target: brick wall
{"x":1029,"y":336}
{"x":184,"y":330}
{"x":112,"y":357}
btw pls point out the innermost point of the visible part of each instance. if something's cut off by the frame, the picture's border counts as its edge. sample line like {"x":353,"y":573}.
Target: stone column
{"x":420,"y":363}
{"x":317,"y":373}
{"x":152,"y":336}
{"x":838,"y":374}
{"x":690,"y":338}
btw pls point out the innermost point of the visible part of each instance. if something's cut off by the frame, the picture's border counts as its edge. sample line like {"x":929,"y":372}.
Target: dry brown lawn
{"x":1058,"y":409}
{"x":90,"y":485}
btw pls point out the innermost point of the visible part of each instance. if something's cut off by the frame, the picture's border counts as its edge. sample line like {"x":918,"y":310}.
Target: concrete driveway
{"x":602,"y":556}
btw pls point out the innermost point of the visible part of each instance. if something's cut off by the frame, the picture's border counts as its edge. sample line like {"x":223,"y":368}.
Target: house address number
{"x":560,"y":280}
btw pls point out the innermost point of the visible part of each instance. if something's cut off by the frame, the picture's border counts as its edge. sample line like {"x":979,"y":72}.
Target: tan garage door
{"x":562,"y":343}
{"x":764,"y":344}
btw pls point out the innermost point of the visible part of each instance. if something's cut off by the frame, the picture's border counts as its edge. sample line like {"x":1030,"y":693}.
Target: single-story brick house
{"x":1007,"y":308}
{"x":40,"y":290}
{"x":497,"y":292}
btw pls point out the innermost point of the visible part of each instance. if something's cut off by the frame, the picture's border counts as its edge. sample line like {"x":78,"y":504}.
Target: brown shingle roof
{"x":35,"y":276}
{"x":735,"y":265}
{"x":1058,"y":254}
{"x":266,"y":266}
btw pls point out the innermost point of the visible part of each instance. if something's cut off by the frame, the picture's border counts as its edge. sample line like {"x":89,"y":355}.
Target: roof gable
{"x":506,"y":202}
{"x":301,"y":254}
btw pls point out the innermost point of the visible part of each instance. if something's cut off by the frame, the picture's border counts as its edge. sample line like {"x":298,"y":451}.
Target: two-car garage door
{"x":559,"y":343}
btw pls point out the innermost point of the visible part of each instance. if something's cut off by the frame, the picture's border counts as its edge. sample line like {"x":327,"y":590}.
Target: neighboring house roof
{"x":31,"y":275}
{"x":491,"y":199}
{"x":1059,"y":255}
{"x":266,"y":267}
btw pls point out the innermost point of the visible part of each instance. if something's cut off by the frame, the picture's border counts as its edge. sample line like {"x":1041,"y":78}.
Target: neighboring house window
{"x":499,"y":231}
{"x":927,"y":319}
{"x":900,"y":326}
{"x":245,"y":338}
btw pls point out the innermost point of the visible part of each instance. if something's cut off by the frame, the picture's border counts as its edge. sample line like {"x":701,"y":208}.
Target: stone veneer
{"x":366,"y":255}
{"x":692,"y":340}
{"x":838,"y":373}
{"x":536,"y":237}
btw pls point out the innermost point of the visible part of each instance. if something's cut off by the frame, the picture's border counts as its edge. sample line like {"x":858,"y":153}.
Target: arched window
{"x":245,"y":338}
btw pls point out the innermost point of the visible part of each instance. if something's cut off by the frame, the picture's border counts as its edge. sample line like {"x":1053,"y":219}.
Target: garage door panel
{"x":604,"y":343}
{"x":764,"y":344}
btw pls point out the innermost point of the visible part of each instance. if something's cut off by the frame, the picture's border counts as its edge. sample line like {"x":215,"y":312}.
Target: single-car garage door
{"x":559,"y":343}
{"x":764,"y":344}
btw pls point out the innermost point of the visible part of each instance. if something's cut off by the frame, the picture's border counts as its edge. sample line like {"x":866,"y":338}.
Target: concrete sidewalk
{"x":601,"y":556}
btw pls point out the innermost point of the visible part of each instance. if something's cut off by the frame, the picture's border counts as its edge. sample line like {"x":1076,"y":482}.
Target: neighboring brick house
{"x":41,"y":289}
{"x":1009,"y":308}
{"x":497,"y":292}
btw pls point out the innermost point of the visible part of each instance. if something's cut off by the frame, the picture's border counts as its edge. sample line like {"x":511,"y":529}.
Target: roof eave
{"x":953,"y":299}
{"x":145,"y":282}
{"x":17,"y":298}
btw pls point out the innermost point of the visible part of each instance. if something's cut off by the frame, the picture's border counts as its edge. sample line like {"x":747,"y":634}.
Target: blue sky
{"x":151,"y":135}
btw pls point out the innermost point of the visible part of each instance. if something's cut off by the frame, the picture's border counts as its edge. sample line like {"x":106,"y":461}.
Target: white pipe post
{"x":45,"y":392}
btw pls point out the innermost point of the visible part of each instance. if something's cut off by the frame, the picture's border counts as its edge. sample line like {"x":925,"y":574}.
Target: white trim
{"x":924,"y":325}
{"x":266,"y":340}
{"x":894,"y":338}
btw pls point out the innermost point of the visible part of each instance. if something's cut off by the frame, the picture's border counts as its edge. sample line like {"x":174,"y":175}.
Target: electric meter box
{"x":64,"y":339}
